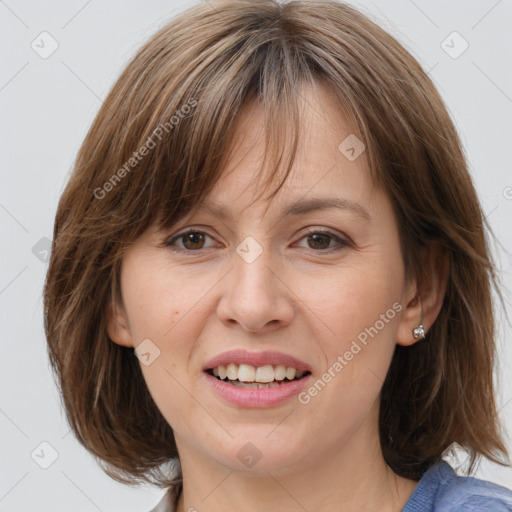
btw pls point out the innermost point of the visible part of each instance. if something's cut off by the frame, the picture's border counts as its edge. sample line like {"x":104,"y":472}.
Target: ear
{"x":430,"y":287}
{"x":117,"y":326}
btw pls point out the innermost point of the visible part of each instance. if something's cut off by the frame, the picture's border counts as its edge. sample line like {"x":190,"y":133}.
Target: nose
{"x":256,"y":297}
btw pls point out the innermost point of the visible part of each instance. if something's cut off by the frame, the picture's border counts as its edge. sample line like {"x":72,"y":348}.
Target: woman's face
{"x":266,"y":293}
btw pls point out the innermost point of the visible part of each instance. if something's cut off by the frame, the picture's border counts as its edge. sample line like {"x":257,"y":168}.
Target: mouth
{"x":257,"y":377}
{"x":248,"y":379}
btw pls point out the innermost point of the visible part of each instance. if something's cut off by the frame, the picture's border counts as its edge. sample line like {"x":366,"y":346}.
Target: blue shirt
{"x":442,"y":490}
{"x":439,"y":490}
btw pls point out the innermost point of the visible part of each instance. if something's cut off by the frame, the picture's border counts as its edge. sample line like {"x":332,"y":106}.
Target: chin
{"x":258,"y":454}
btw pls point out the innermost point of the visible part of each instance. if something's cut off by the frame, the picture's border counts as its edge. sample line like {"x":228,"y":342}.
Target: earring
{"x":419,"y":332}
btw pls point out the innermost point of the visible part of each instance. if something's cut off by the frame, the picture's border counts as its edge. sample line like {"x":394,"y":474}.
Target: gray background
{"x":47,"y":106}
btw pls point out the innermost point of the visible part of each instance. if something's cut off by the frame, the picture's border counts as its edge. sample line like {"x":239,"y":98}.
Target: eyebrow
{"x":300,"y":207}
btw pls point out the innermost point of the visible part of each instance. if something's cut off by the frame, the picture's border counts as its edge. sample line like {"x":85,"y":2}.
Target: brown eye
{"x":190,"y":240}
{"x":193,"y":240}
{"x":321,"y":241}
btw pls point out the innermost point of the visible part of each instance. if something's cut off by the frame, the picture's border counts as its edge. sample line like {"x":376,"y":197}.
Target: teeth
{"x":232,"y":371}
{"x":247,"y":375}
{"x":264,"y":373}
{"x":290,"y":373}
{"x":254,"y":385}
{"x":280,"y":372}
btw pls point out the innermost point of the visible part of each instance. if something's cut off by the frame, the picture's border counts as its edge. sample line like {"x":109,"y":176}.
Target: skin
{"x":302,"y":296}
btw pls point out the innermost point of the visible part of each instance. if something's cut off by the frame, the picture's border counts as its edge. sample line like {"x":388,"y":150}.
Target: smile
{"x":256,"y":377}
{"x":262,"y":379}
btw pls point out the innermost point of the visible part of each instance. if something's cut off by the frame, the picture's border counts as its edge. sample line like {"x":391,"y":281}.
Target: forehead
{"x":322,"y":168}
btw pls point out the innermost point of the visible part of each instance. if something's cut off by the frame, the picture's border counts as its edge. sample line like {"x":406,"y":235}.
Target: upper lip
{"x":241,"y":356}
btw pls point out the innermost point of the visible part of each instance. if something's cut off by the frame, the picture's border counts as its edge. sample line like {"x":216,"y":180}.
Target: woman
{"x":270,"y":285}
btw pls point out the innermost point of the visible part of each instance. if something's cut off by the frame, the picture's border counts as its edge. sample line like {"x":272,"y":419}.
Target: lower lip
{"x":256,"y":398}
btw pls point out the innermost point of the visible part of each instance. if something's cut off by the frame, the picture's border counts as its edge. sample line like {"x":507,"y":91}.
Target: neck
{"x":352,"y":479}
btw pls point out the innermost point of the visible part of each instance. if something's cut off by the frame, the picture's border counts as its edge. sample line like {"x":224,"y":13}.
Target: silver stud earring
{"x":419,"y":332}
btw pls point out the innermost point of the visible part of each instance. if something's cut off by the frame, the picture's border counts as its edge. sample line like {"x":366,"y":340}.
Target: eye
{"x":192,"y":240}
{"x":321,"y":240}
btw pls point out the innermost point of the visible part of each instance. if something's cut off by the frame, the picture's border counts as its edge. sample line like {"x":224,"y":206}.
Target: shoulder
{"x":442,"y":490}
{"x":471,"y":494}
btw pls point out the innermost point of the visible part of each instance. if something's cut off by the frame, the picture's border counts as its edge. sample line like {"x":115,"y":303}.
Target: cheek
{"x":161,"y":302}
{"x":362,"y":313}
{"x":358,"y":307}
{"x":167,"y":307}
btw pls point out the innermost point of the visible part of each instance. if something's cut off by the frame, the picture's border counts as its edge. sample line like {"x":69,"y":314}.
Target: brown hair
{"x":157,"y":147}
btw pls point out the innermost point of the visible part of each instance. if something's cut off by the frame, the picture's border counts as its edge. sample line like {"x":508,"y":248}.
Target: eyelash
{"x":341,"y":242}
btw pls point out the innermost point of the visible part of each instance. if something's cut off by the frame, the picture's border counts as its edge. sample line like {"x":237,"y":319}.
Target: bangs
{"x":178,"y":119}
{"x":190,"y":160}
